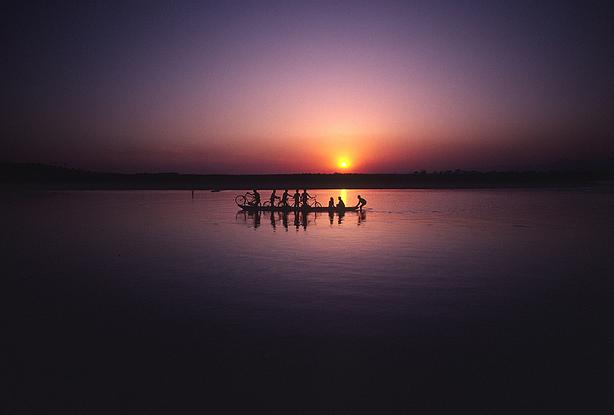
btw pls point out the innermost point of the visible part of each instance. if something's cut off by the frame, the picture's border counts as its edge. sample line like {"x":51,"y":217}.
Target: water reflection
{"x":362,"y":216}
{"x":298,"y":219}
{"x":453,"y":291}
{"x":273,"y":221}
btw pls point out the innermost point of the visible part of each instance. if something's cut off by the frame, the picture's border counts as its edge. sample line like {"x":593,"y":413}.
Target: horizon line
{"x":578,"y":168}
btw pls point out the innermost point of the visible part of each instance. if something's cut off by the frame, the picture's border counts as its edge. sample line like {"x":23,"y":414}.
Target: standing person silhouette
{"x":331,"y":203}
{"x":273,"y":197}
{"x":284,"y":198}
{"x":305,"y":198}
{"x":297,"y":199}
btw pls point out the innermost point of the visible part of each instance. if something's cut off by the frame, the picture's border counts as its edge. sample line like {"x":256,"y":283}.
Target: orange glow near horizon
{"x":316,"y":88}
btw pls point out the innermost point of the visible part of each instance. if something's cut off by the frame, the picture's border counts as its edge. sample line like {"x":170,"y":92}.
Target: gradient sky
{"x":276,"y":87}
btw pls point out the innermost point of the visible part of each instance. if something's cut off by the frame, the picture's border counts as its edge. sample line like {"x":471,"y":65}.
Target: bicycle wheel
{"x":241,"y":200}
{"x":317,"y":204}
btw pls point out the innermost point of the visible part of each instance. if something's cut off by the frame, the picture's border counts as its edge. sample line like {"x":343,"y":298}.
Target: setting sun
{"x":343,"y":164}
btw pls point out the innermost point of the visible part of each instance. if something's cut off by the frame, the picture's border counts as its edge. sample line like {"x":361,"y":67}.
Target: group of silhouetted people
{"x":341,"y":205}
{"x":301,"y":200}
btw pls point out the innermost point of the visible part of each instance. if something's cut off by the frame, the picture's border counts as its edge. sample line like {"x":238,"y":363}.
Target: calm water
{"x":489,"y":300}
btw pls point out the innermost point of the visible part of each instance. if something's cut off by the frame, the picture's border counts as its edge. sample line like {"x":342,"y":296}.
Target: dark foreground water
{"x":489,"y":301}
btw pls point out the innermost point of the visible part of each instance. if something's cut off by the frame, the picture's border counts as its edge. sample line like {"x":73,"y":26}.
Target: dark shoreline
{"x":44,"y":177}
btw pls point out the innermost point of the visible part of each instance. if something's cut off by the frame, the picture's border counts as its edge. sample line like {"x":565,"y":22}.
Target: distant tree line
{"x":41,"y":176}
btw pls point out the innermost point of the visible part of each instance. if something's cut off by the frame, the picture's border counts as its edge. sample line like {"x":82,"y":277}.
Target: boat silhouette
{"x":262,"y":208}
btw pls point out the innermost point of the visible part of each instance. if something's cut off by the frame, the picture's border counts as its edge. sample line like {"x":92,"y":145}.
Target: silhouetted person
{"x":341,"y":205}
{"x":361,"y":202}
{"x":331,"y":203}
{"x":305,"y":198}
{"x":273,"y":197}
{"x":297,"y":199}
{"x":256,"y":201}
{"x":284,"y":198}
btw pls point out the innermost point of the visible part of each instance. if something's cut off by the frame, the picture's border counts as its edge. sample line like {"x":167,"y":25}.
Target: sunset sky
{"x":282,"y":87}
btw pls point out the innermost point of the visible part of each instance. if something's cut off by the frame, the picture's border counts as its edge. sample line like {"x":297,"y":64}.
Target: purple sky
{"x":263,"y":87}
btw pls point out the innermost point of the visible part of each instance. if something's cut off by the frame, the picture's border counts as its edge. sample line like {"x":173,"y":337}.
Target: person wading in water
{"x":361,"y":202}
